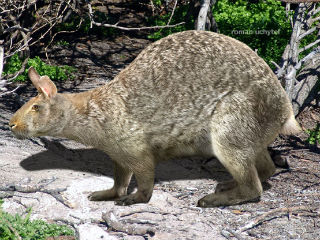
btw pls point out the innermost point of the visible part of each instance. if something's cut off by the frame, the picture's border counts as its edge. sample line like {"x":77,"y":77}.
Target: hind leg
{"x":246,"y":186}
{"x":264,"y":166}
{"x":122,"y":177}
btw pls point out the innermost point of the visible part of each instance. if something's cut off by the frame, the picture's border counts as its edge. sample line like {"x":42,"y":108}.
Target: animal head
{"x":41,"y":114}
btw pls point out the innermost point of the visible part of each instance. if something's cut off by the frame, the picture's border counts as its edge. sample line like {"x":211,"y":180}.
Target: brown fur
{"x":191,"y":93}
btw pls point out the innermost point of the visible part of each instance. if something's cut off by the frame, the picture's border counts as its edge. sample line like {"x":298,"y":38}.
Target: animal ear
{"x":43,"y":83}
{"x":33,"y":75}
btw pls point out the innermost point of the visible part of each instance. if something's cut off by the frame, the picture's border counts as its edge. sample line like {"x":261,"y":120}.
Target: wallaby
{"x":191,"y":93}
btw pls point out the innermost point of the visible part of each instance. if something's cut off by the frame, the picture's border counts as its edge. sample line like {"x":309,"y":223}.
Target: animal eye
{"x":35,"y":107}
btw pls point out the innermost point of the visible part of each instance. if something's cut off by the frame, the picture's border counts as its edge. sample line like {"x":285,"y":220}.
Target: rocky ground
{"x":54,"y":176}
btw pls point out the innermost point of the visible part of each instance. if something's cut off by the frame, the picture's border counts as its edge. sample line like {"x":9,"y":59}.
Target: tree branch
{"x":93,"y":22}
{"x":307,"y":58}
{"x":10,"y":92}
{"x":1,"y":58}
{"x":309,"y":46}
{"x":18,"y":27}
{"x":313,"y":20}
{"x":276,"y":65}
{"x":315,"y":11}
{"x":135,"y":28}
{"x":202,"y":17}
{"x":172,"y":13}
{"x":311,"y":30}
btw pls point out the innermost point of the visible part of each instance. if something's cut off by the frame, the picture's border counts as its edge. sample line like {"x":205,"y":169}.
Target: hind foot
{"x":225,"y":186}
{"x":237,"y":195}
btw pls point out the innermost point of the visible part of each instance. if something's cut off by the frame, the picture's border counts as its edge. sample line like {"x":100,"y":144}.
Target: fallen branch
{"x":275,"y":213}
{"x":56,"y":193}
{"x":6,"y":195}
{"x":132,"y":212}
{"x":230,"y":234}
{"x":127,"y":227}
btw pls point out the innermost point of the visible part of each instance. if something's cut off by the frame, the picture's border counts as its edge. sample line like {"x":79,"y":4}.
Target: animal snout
{"x":12,"y":125}
{"x":15,"y":126}
{"x":18,"y":130}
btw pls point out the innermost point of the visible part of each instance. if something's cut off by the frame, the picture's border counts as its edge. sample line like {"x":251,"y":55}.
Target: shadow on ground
{"x":57,"y":156}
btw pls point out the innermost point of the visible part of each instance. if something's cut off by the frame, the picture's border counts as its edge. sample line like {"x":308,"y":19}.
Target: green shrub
{"x":314,"y":135}
{"x":62,"y":43}
{"x":263,"y":26}
{"x":157,"y":2}
{"x":10,"y":225}
{"x":14,"y":64}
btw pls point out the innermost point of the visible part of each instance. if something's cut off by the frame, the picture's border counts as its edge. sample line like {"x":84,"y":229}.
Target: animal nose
{"x":12,"y":125}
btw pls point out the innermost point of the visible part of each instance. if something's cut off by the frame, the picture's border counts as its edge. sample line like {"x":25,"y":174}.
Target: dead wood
{"x":128,"y":227}
{"x":10,"y":190}
{"x":301,"y":90}
{"x":277,"y":213}
{"x":230,"y":234}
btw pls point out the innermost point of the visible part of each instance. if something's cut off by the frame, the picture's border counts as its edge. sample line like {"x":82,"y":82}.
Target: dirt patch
{"x":54,"y":176}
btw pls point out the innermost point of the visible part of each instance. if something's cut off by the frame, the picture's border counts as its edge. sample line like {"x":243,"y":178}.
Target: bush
{"x":314,"y":135}
{"x":14,"y":64}
{"x":263,"y":26}
{"x":12,"y":225}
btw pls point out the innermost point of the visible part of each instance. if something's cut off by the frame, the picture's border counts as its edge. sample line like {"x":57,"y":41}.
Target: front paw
{"x":131,"y":199}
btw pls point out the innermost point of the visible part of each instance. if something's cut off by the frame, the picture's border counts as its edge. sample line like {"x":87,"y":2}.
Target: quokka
{"x":191,"y":93}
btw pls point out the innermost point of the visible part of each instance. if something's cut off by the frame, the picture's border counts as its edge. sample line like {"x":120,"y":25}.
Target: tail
{"x":291,"y":126}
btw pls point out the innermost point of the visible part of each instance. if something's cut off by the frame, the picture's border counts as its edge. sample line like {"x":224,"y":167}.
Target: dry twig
{"x":93,"y":22}
{"x":56,"y":193}
{"x":275,"y":213}
{"x":120,"y":226}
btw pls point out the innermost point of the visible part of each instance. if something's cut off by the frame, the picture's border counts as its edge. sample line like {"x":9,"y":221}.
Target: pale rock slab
{"x":93,"y":232}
